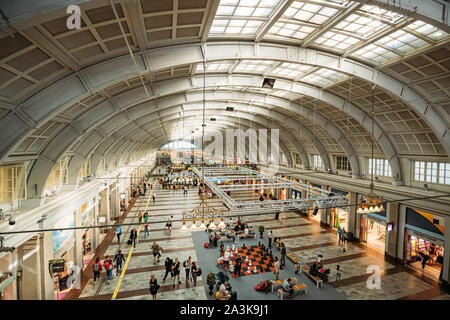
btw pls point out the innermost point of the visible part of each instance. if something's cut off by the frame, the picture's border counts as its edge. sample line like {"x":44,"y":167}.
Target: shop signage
{"x":425,"y":237}
{"x":57,"y":266}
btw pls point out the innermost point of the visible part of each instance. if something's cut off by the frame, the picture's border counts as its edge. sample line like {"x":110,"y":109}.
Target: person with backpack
{"x":187,"y":264}
{"x":133,"y":237}
{"x":195,"y":272}
{"x":118,"y":260}
{"x":176,"y":272}
{"x":168,"y":265}
{"x":155,"y":251}
{"x":154,"y":286}
{"x":107,"y":264}
{"x":146,"y":232}
{"x":96,"y":268}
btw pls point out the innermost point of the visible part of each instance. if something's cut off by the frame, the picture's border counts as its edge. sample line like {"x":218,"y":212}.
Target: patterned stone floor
{"x":303,"y":236}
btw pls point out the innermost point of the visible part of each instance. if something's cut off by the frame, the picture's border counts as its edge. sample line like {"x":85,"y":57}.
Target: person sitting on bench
{"x":236,"y":227}
{"x":223,"y":291}
{"x":242,"y":226}
{"x":287,"y":286}
{"x":246,"y":231}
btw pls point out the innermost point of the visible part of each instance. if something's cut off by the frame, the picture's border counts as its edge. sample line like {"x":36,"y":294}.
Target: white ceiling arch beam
{"x":225,"y":123}
{"x":64,"y":93}
{"x":128,"y":127}
{"x":96,"y":153}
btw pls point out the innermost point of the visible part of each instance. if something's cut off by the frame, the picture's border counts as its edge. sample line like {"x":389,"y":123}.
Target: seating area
{"x":300,"y":287}
{"x":319,"y":282}
{"x":278,"y":283}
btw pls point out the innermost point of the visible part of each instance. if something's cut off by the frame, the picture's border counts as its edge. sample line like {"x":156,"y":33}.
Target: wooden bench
{"x":300,"y":287}
{"x":291,"y":256}
{"x":318,"y":281}
{"x":243,"y":236}
{"x":278,"y":283}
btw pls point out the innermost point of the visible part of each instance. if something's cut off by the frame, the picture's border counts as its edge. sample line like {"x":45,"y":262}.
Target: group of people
{"x":173,"y":267}
{"x":108,"y":266}
{"x":342,"y":238}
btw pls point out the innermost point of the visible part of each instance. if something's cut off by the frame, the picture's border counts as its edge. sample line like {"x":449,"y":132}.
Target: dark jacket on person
{"x":133,"y":234}
{"x":168,"y":264}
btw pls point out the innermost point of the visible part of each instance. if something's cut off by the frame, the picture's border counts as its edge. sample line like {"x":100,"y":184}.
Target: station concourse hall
{"x":235,"y":150}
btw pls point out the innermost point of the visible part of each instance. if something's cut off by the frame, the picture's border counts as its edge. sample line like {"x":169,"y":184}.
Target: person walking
{"x":146,"y":231}
{"x":169,"y":225}
{"x":339,"y":231}
{"x":194,"y":272}
{"x":118,"y":233}
{"x":154,"y":286}
{"x":338,"y":272}
{"x":155,"y":251}
{"x":154,"y":198}
{"x":107,"y":264}
{"x":344,"y":239}
{"x":237,"y":267}
{"x":96,"y":268}
{"x":118,"y":260}
{"x":176,"y":272}
{"x":185,"y":190}
{"x":276,"y":270}
{"x":277,"y":215}
{"x":133,"y":237}
{"x":140,"y":217}
{"x":283,"y":256}
{"x":146,"y":217}
{"x":187,"y":264}
{"x":269,"y":236}
{"x":168,"y":265}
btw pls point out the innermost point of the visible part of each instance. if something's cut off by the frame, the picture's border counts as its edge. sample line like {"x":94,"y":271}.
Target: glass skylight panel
{"x":427,"y":30}
{"x":402,"y":42}
{"x":253,"y":66}
{"x":390,"y":16}
{"x":246,"y":8}
{"x":361,"y":25}
{"x":308,"y":12}
{"x":222,"y":66}
{"x":323,"y":77}
{"x":376,"y":53}
{"x":337,"y":40}
{"x":228,"y":26}
{"x":291,"y":70}
{"x":291,"y":30}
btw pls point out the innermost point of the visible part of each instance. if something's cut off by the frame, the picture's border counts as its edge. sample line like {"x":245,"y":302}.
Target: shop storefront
{"x":373,"y":230}
{"x":87,"y":219}
{"x":63,"y":242}
{"x":7,"y":277}
{"x":339,"y":216}
{"x":424,"y":241}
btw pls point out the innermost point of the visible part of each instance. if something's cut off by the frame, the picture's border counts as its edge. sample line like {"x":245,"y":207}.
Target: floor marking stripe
{"x":116,"y":291}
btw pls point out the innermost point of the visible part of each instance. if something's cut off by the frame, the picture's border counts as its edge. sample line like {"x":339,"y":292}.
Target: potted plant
{"x":211,"y":281}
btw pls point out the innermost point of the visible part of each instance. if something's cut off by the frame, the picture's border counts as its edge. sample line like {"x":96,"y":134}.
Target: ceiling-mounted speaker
{"x":268,"y":83}
{"x":316,"y":209}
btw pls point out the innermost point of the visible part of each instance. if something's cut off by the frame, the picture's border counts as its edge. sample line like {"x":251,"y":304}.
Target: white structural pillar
{"x":392,"y":216}
{"x":45,"y":255}
{"x":78,"y":243}
{"x":31,"y":273}
{"x":96,"y":231}
{"x":114,"y":201}
{"x":353,"y":199}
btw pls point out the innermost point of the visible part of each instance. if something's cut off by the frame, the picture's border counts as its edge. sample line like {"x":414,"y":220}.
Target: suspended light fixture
{"x":202,"y":226}
{"x":194,"y":226}
{"x":184,"y":228}
{"x":212,"y":226}
{"x":222,"y":224}
{"x":371,"y":203}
